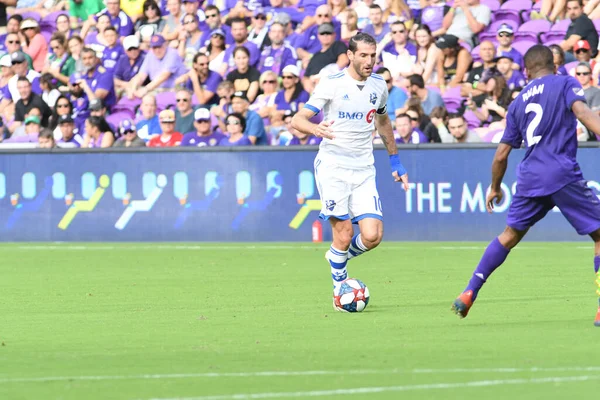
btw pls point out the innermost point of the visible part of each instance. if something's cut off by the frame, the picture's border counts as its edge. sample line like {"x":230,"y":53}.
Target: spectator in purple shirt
{"x":239,"y":31}
{"x":505,"y":37}
{"x":406,"y":133}
{"x":69,"y":134}
{"x":79,"y":100}
{"x":309,"y":43}
{"x":514,"y":79}
{"x":212,"y":23}
{"x":129,"y":64}
{"x":377,"y":28}
{"x":278,"y":55}
{"x":203,"y":136}
{"x":201,"y":81}
{"x":162,"y":65}
{"x":236,"y":124}
{"x":293,"y":96}
{"x":99,"y":80}
{"x":113,"y":51}
{"x":118,"y":18}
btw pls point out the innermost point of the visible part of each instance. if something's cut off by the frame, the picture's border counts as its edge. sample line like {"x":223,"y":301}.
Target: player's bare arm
{"x":498,"y":170}
{"x":301,"y":122}
{"x":384,"y":127}
{"x":589,"y":118}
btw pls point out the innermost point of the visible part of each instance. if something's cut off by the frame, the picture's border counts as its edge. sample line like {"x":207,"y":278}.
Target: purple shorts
{"x":576,"y":201}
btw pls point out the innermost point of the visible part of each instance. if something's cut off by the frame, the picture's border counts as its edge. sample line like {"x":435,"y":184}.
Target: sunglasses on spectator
{"x":323,"y":15}
{"x":581,"y":51}
{"x":325,"y":33}
{"x":233,"y":122}
{"x":504,"y":34}
{"x":413,"y":119}
{"x":202,"y":121}
{"x":12,"y":41}
{"x":583,"y":73}
{"x":183,"y":100}
{"x":191,"y":21}
{"x":133,"y":48}
{"x":212,"y":15}
{"x":400,"y":31}
{"x":262,"y":17}
{"x":62,"y":105}
{"x":268,"y":82}
{"x":288,"y":77}
{"x":127,"y":132}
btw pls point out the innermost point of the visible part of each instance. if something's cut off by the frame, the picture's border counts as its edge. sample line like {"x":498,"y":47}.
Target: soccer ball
{"x":352,"y":295}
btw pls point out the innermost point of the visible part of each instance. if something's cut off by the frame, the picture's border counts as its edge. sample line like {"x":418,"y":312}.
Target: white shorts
{"x":347,"y":193}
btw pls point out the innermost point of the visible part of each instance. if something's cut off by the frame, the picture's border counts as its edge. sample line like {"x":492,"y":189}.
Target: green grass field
{"x":255,"y":321}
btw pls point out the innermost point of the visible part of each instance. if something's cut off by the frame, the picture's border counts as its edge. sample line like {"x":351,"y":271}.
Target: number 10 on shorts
{"x":377,"y":202}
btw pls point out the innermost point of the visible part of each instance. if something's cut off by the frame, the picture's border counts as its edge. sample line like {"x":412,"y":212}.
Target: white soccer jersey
{"x":351,"y":105}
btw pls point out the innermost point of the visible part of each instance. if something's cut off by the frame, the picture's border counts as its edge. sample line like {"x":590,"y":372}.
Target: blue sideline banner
{"x":247,"y":196}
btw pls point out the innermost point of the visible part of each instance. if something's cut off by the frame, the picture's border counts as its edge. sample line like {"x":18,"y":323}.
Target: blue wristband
{"x":396,"y":165}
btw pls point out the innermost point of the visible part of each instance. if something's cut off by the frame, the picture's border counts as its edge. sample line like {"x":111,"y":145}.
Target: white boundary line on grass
{"x":171,"y":247}
{"x":383,"y":389}
{"x":293,"y":373}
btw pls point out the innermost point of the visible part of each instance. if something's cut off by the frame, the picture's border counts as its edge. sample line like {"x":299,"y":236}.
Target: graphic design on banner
{"x":85,"y":206}
{"x":153,"y":187}
{"x":212,"y":186}
{"x":29,"y":192}
{"x":243,"y":189}
{"x":306,"y":189}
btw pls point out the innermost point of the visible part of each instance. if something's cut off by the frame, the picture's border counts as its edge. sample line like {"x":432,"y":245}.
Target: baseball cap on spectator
{"x":32,"y":119}
{"x":157,"y":41}
{"x":504,"y":55}
{"x":282,"y":18}
{"x":5,"y":61}
{"x":291,"y":69}
{"x":166,"y":116}
{"x":446,"y":42}
{"x":95,"y":105}
{"x":74,"y":78}
{"x":29,"y":23}
{"x":126,"y":126}
{"x":18,"y":57}
{"x":505,"y":28}
{"x":201,"y":114}
{"x":326,"y":28}
{"x":240,"y":95}
{"x":131,"y":42}
{"x":146,"y":32}
{"x":218,"y":31}
{"x":581,"y":44}
{"x":65,"y":119}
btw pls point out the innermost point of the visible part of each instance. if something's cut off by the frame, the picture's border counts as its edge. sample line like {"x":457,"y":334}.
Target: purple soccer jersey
{"x":541,"y":116}
{"x":211,"y":83}
{"x":282,"y":104}
{"x":103,"y":79}
{"x":276,"y":59}
{"x":416,"y":137}
{"x":110,"y":56}
{"x":121,"y":22}
{"x":549,"y":174}
{"x":192,"y":139}
{"x":516,"y":80}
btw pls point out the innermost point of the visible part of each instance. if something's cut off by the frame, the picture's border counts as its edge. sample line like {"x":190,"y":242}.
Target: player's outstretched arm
{"x":589,"y":118}
{"x":384,"y":127}
{"x":498,"y":170}
{"x":301,"y":122}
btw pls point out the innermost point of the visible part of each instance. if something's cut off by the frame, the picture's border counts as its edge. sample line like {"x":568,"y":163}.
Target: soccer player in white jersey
{"x":354,"y":104}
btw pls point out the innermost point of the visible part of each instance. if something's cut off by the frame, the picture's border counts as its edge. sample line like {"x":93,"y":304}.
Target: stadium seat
{"x":475,"y":54}
{"x":472,"y":120}
{"x":493,"y":5}
{"x":49,"y":21}
{"x":552,"y":37}
{"x":31,"y":14}
{"x":523,"y":46}
{"x":491,"y":36}
{"x":561,"y":26}
{"x":165,"y":100}
{"x":452,"y":99}
{"x":597,"y":24}
{"x":570,"y":66}
{"x":493,"y":27}
{"x":507,"y":15}
{"x":531,"y":30}
{"x":511,"y":10}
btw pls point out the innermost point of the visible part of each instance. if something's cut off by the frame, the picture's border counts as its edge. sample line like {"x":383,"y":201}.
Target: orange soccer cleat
{"x":463,"y":304}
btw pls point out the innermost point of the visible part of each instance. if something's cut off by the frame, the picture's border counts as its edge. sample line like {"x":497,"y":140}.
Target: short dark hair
{"x":242,"y":49}
{"x":382,"y":70}
{"x":46,"y":134}
{"x":360,"y":37}
{"x":111,"y":28}
{"x":455,"y":115}
{"x":539,"y":57}
{"x":417,"y":80}
{"x":87,"y":49}
{"x":16,"y":17}
{"x":580,"y":2}
{"x":240,"y":117}
{"x":403,"y":115}
{"x":375,"y":7}
{"x":237,"y":20}
{"x":23,"y":79}
{"x":212,"y":7}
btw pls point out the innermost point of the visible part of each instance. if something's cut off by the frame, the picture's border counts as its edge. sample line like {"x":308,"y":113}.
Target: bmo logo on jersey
{"x":357,"y":116}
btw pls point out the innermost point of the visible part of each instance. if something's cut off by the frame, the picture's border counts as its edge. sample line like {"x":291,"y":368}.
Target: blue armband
{"x":397,"y":165}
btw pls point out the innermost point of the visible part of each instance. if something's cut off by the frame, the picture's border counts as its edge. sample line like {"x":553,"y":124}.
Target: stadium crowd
{"x":88,"y":73}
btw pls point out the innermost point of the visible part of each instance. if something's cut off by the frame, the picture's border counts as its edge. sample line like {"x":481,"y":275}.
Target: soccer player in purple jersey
{"x":544,"y":116}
